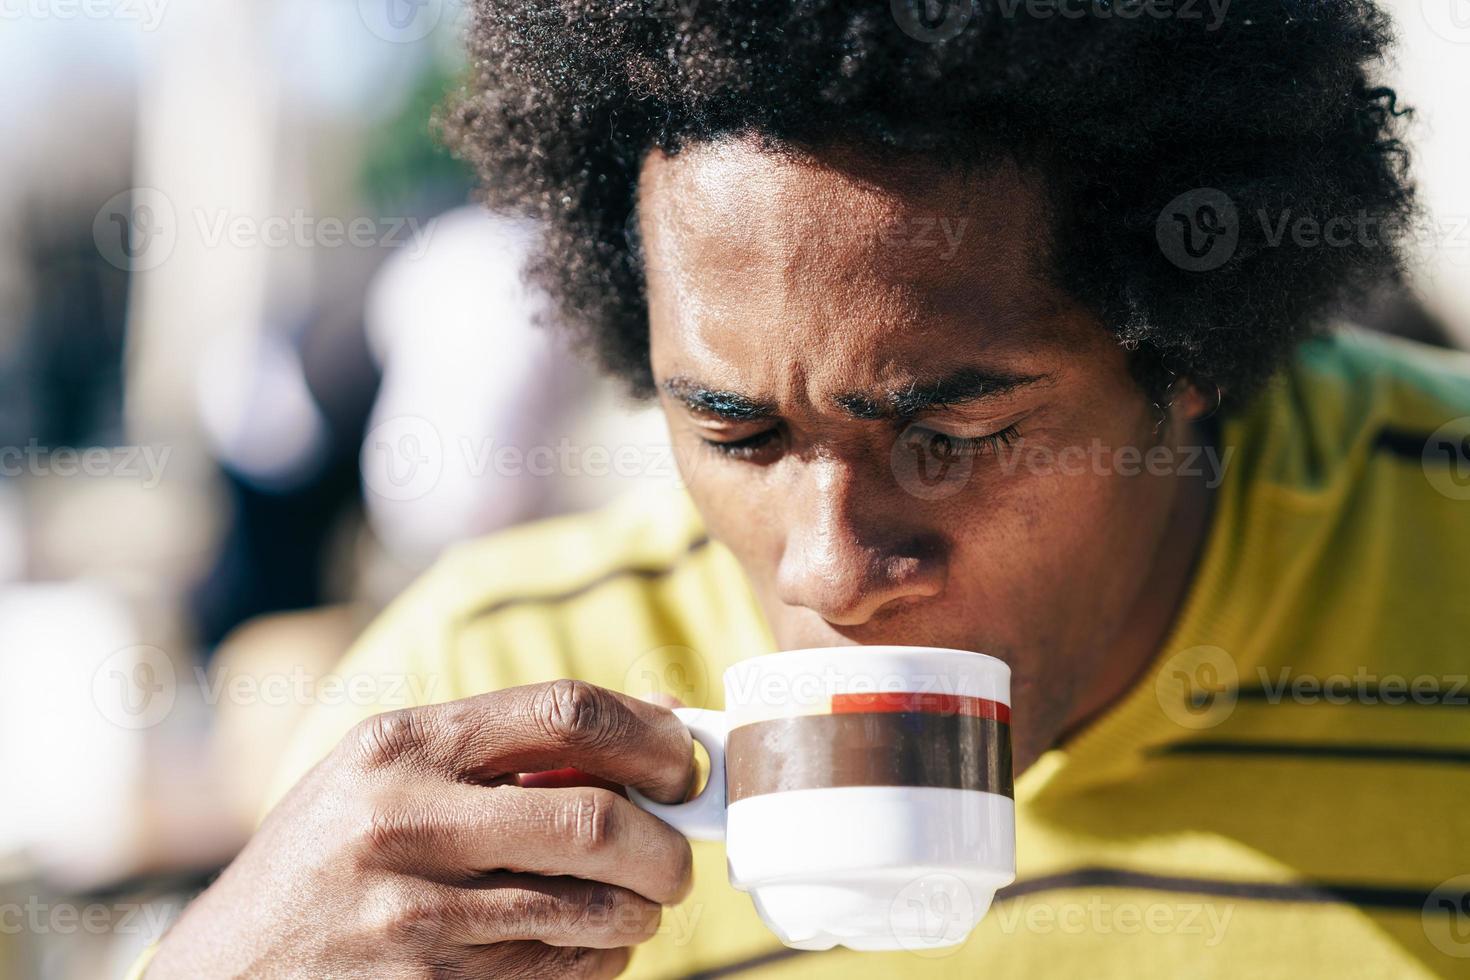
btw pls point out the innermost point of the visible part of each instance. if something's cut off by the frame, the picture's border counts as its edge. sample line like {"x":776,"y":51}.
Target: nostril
{"x":853,"y":593}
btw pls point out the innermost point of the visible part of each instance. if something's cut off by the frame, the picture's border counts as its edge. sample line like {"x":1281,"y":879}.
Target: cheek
{"x":1058,"y":546}
{"x":735,"y":500}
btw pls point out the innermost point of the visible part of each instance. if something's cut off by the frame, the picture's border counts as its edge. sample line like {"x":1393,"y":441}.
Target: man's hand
{"x":414,"y":851}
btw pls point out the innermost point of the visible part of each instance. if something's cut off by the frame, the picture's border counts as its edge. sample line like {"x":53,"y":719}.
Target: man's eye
{"x":742,"y":448}
{"x":945,"y":446}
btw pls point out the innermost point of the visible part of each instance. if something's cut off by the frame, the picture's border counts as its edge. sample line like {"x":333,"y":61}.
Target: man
{"x":986,"y":330}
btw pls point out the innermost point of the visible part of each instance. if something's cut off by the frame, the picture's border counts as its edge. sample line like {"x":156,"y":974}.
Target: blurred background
{"x":261,"y":360}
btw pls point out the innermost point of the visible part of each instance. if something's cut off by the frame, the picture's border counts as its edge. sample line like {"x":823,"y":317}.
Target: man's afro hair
{"x":1131,"y":109}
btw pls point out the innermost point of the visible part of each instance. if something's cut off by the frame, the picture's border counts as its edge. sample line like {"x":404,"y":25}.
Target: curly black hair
{"x":1243,"y":115}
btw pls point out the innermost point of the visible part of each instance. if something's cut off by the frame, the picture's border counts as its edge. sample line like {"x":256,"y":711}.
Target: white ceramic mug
{"x":863,"y":793}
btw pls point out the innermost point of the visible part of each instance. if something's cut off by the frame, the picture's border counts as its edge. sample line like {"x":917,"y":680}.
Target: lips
{"x":873,"y":739}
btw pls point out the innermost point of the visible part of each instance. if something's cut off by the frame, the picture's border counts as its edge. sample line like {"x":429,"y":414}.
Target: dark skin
{"x":799,"y":321}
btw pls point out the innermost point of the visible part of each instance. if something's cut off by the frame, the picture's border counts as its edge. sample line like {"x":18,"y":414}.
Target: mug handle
{"x":702,"y":818}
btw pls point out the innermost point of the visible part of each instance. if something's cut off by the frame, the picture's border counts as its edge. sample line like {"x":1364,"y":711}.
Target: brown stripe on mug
{"x":882,"y":748}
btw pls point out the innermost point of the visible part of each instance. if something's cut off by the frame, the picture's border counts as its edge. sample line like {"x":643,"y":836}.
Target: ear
{"x":1196,"y":400}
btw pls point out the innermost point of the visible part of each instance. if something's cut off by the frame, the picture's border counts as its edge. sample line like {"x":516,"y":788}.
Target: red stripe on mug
{"x":890,"y":702}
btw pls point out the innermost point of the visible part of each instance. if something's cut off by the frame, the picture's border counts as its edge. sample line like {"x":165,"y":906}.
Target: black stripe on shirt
{"x":1369,"y":695}
{"x":1401,"y":443}
{"x":646,"y":572}
{"x":1309,"y":892}
{"x":1365,"y":752}
{"x":1405,"y":899}
{"x":1416,"y":446}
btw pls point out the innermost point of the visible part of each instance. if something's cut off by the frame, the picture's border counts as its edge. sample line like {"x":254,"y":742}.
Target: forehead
{"x":817,"y":270}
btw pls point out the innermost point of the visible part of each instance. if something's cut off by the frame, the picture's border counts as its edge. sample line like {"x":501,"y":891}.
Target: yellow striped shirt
{"x":1286,"y":793}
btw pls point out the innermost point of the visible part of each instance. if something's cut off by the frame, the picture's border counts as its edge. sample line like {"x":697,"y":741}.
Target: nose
{"x":853,"y":550}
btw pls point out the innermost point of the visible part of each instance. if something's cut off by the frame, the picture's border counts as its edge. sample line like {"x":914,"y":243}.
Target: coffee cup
{"x":864,"y":794}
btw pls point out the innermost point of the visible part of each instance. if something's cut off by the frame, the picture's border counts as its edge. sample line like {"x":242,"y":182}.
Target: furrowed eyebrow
{"x":897,"y":404}
{"x":961,"y":387}
{"x":728,"y":405}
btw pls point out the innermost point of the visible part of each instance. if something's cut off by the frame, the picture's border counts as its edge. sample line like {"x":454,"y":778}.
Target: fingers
{"x":570,"y":776}
{"x":591,"y":833}
{"x":583,"y":831}
{"x":535,"y":728}
{"x":560,"y":912}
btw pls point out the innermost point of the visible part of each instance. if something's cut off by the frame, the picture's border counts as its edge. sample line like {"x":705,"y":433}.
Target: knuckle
{"x":624,"y":920}
{"x":576,"y":713}
{"x":597,"y":910}
{"x":445,"y":971}
{"x":384,"y":739}
{"x":682,"y":868}
{"x":575,"y":961}
{"x":517,"y":960}
{"x":419,"y":924}
{"x":388,"y":830}
{"x":609,"y":917}
{"x":591,"y":821}
{"x":404,"y":918}
{"x":534,"y":960}
{"x":537,"y":913}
